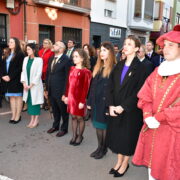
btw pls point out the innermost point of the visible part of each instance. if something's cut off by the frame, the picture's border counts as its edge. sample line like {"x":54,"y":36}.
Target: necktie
{"x":68,"y":53}
{"x":54,"y":63}
{"x":149,"y":55}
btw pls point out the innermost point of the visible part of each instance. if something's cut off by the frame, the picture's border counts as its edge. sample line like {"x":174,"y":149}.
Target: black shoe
{"x":78,"y":143}
{"x":15,"y":122}
{"x":61,"y":133}
{"x":72,"y":141}
{"x":52,"y":130}
{"x":117,"y":174}
{"x":93,"y":154}
{"x":11,"y":121}
{"x":113,"y":171}
{"x":101,"y":154}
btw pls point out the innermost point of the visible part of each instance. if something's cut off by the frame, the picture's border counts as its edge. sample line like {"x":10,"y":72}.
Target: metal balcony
{"x":82,"y":6}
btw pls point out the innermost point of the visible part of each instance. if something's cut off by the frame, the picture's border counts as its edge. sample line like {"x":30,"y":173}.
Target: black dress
{"x":123,"y":130}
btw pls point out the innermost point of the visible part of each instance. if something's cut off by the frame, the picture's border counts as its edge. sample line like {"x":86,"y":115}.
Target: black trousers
{"x":59,"y":110}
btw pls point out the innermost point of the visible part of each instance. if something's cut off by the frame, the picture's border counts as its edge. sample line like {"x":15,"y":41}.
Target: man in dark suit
{"x":148,"y":64}
{"x":151,"y":55}
{"x":57,"y":73}
{"x":70,"y":49}
{"x":157,"y":60}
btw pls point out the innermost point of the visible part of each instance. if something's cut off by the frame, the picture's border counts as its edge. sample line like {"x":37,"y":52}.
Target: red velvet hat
{"x":173,"y":36}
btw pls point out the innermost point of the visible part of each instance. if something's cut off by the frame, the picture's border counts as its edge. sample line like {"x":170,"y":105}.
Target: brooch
{"x":130,"y":74}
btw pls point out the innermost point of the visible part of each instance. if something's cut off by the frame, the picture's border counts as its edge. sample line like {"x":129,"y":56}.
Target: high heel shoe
{"x":36,"y":125}
{"x":112,"y":170}
{"x":117,"y":174}
{"x":15,"y":122}
{"x":78,"y":143}
{"x":11,"y":121}
{"x":73,"y":140}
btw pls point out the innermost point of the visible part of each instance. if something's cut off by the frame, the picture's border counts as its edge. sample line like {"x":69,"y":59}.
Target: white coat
{"x":35,"y":78}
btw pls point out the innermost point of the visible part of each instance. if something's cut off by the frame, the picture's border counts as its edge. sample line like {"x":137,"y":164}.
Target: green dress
{"x":32,"y":109}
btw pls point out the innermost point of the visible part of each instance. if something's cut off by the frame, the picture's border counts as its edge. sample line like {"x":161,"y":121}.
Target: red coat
{"x":159,"y":149}
{"x":45,"y":55}
{"x":77,"y":89}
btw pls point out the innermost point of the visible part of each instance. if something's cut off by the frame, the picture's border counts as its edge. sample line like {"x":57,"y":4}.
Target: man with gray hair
{"x":142,"y":57}
{"x":57,"y":73}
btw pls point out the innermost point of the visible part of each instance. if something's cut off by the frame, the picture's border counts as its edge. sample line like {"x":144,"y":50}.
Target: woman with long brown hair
{"x":97,"y":95}
{"x":76,"y":92}
{"x":11,"y":72}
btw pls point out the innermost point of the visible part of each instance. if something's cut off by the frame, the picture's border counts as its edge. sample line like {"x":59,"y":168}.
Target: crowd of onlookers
{"x":104,"y":83}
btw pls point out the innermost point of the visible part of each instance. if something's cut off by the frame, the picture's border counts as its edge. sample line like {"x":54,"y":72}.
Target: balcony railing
{"x":83,"y":6}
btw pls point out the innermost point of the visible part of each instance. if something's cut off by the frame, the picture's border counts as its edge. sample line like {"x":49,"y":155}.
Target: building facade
{"x":108,"y":21}
{"x":11,"y":21}
{"x":176,"y":13}
{"x":53,"y":19}
{"x":140,"y":18}
{"x":163,"y":17}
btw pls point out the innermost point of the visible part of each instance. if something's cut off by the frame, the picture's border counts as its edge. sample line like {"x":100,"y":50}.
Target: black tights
{"x":101,"y":137}
{"x":78,"y":126}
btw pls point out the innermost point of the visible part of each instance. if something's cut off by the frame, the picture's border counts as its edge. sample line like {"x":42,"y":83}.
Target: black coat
{"x":148,"y":65}
{"x":14,"y":72}
{"x":56,"y":80}
{"x":97,"y":98}
{"x":123,"y":130}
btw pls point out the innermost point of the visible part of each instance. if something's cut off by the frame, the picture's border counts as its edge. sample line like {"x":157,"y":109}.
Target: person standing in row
{"x":158,"y":146}
{"x":91,"y":53}
{"x":97,"y":96}
{"x":70,"y":49}
{"x":57,"y":73}
{"x":11,"y":73}
{"x":45,"y":53}
{"x":32,"y":83}
{"x":125,"y":119}
{"x":76,"y":92}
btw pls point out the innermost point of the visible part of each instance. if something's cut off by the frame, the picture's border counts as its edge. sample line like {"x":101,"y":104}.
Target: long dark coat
{"x":14,"y":72}
{"x":123,"y":130}
{"x":97,"y":98}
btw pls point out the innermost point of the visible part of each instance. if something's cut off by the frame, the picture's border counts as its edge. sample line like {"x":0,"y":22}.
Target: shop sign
{"x":115,"y":32}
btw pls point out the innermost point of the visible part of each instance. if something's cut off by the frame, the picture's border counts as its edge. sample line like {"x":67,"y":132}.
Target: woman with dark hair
{"x":11,"y":72}
{"x":76,"y":93}
{"x":32,"y":83}
{"x":97,"y":96}
{"x":91,"y":53}
{"x":125,"y":119}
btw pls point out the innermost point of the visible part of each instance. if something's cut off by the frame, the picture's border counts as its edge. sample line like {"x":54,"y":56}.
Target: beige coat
{"x":35,"y":78}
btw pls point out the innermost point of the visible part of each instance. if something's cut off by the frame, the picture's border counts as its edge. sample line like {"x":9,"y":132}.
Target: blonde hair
{"x":49,"y":42}
{"x":110,"y":62}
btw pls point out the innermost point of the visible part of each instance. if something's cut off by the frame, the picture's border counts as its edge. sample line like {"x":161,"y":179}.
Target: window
{"x":177,"y":18}
{"x":74,"y":34}
{"x":3,"y":30}
{"x":137,"y":8}
{"x":108,"y":13}
{"x":156,"y":10}
{"x":46,"y":32}
{"x":148,"y":11}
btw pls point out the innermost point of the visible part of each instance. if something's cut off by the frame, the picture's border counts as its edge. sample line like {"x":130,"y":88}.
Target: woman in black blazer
{"x":125,"y":119}
{"x":11,"y":72}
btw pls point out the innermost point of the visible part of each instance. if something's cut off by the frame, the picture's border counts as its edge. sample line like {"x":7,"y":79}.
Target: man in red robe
{"x":158,"y":146}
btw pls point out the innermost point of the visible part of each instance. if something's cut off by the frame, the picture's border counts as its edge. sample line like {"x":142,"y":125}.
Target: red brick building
{"x":53,"y":19}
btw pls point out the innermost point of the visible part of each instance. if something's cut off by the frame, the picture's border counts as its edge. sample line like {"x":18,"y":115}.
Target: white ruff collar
{"x":168,"y":68}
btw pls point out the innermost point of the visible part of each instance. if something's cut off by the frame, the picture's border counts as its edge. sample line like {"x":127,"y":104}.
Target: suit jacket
{"x":35,"y":78}
{"x":148,"y":65}
{"x":71,"y":56}
{"x":14,"y":72}
{"x":56,"y":79}
{"x":156,"y":60}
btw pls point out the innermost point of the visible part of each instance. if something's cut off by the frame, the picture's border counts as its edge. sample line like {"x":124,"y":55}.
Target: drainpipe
{"x":25,"y":21}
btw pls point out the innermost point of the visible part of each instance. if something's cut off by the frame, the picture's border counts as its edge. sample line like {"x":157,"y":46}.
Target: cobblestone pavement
{"x":32,"y":154}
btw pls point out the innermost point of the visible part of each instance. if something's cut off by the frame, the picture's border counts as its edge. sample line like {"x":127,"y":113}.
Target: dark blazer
{"x":157,"y":60}
{"x":71,"y":56}
{"x":97,"y":98}
{"x":14,"y":72}
{"x":148,"y":65}
{"x":123,"y":130}
{"x":56,"y":80}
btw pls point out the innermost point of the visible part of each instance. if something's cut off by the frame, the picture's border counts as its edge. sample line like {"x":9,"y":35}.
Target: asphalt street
{"x":32,"y":154}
